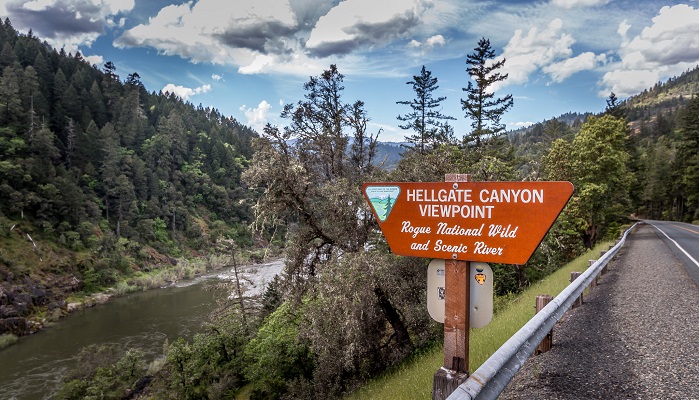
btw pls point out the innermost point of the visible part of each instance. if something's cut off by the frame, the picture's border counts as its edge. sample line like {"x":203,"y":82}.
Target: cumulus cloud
{"x":257,"y":117}
{"x":562,"y":70}
{"x":94,"y":60}
{"x":429,"y":43}
{"x":622,"y":30}
{"x":206,"y":32}
{"x":526,"y":53}
{"x":67,"y":24}
{"x":358,"y":23}
{"x":666,"y":48}
{"x":216,"y":77}
{"x":290,"y":37}
{"x":578,"y":3}
{"x":184,"y":92}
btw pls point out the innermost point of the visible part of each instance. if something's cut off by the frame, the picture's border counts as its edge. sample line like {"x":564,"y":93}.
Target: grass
{"x":413,"y":380}
{"x":7,"y":339}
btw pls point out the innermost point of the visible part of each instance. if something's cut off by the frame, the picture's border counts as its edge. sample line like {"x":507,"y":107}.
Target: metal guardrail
{"x":491,"y":378}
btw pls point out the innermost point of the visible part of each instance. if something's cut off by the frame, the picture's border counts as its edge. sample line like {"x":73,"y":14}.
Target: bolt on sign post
{"x":460,"y":221}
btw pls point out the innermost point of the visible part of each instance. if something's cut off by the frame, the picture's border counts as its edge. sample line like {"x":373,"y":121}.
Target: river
{"x":35,"y":367}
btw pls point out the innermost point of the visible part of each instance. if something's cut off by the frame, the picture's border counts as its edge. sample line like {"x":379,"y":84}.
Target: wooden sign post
{"x":461,"y":221}
{"x":456,"y":322}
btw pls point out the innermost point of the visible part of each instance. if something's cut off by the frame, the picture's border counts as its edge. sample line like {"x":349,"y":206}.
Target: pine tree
{"x":481,"y":105}
{"x":425,"y":117}
{"x":615,"y":107}
{"x":10,"y":100}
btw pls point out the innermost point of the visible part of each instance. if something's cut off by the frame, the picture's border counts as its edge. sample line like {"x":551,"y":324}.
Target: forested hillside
{"x":100,"y":178}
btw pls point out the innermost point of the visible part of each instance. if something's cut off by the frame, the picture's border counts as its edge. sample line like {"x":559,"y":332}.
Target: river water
{"x":35,"y":366}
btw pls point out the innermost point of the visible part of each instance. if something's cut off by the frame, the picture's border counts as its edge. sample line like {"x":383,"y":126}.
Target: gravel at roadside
{"x":636,"y":336}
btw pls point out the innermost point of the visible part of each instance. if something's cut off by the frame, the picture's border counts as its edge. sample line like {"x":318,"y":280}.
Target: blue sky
{"x":249,"y":57}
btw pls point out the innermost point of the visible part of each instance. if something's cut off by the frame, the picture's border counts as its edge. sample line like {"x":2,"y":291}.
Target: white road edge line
{"x":678,"y":246}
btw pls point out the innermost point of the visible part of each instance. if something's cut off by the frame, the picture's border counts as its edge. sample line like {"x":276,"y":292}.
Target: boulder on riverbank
{"x":22,"y":297}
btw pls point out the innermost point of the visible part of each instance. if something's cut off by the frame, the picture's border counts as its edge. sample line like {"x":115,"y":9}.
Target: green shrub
{"x":7,"y":339}
{"x":103,"y":372}
{"x":277,"y":354}
{"x":207,"y":368}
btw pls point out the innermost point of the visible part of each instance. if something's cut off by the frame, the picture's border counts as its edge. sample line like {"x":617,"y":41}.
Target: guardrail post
{"x":579,"y":301}
{"x":596,"y":280}
{"x":541,"y":301}
{"x":604,"y":269}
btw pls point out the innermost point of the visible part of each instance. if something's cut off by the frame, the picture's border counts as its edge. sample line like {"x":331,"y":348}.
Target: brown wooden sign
{"x":500,"y":222}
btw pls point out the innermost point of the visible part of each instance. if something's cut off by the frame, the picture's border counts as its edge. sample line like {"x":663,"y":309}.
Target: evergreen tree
{"x":10,"y":100}
{"x":7,"y":56}
{"x":425,"y":117}
{"x":614,"y":107}
{"x":688,"y":162}
{"x":554,"y":129}
{"x":481,"y":106}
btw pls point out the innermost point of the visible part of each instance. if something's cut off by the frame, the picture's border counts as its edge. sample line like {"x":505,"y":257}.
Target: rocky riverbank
{"x":27,"y":304}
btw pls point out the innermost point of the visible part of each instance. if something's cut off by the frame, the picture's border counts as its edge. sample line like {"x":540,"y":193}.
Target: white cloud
{"x":666,"y":48}
{"x":95,"y":60}
{"x":257,"y":117}
{"x":216,"y":77}
{"x":562,"y":70}
{"x":525,"y":54}
{"x":428,"y":45}
{"x":436,"y":40}
{"x":355,"y":23}
{"x":578,"y":3}
{"x":519,"y":124}
{"x":38,"y":5}
{"x":117,"y":6}
{"x":622,"y":31}
{"x":414,"y":44}
{"x":67,"y":24}
{"x":206,"y":32}
{"x":628,"y":83}
{"x":184,"y":92}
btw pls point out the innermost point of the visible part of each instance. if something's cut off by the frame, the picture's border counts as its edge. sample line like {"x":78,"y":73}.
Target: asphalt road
{"x":683,"y":241}
{"x":636,"y":335}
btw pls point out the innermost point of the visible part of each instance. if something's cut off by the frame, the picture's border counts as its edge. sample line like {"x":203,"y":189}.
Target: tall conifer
{"x":481,"y":105}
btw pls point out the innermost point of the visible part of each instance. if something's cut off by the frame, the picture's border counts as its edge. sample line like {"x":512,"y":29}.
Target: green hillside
{"x":100,"y":179}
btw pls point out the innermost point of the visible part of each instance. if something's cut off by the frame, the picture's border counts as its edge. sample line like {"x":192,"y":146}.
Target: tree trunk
{"x":393,"y":318}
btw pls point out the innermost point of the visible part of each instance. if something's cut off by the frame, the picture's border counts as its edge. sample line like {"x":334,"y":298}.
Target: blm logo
{"x":382,"y":199}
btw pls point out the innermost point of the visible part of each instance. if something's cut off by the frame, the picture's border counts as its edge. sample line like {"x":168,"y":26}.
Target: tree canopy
{"x":481,"y":106}
{"x":426,"y":117}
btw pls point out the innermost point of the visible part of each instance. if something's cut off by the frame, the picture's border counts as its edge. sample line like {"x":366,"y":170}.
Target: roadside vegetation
{"x":413,"y":379}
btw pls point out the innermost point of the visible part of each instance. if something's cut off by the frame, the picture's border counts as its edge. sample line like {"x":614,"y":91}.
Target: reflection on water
{"x":34,"y":367}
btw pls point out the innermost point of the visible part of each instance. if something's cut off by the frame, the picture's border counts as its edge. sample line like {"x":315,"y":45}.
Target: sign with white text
{"x":500,"y":222}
